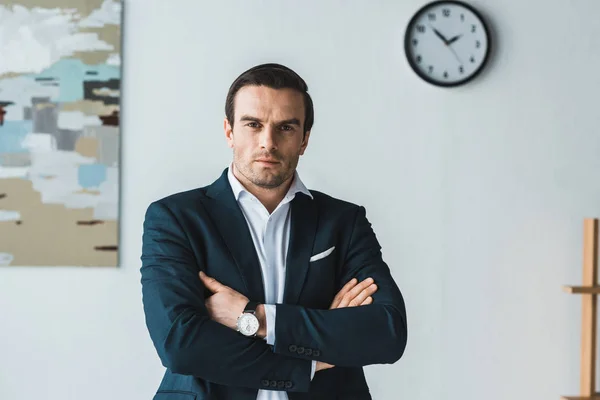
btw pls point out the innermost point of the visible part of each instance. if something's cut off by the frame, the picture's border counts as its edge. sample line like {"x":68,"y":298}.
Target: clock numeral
{"x":431,"y":69}
{"x":473,"y":28}
{"x":472,"y":59}
{"x":415,"y":42}
{"x":478,"y":44}
{"x":446,"y":12}
{"x":461,"y":69}
{"x":431,"y":16}
{"x":421,"y":28}
{"x":462,"y":17}
{"x":419,"y":59}
{"x":445,"y":74}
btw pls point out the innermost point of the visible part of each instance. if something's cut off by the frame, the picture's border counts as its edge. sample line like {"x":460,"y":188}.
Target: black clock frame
{"x":407,"y":42}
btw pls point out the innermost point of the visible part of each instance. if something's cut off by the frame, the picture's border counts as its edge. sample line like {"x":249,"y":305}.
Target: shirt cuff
{"x":312,"y":369}
{"x":270,"y":314}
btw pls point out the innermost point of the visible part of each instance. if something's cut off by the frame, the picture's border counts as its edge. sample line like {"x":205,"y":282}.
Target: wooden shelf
{"x":582,"y":290}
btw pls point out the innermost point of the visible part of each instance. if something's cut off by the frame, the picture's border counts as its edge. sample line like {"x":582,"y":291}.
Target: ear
{"x":228,"y":132}
{"x":304,"y":143}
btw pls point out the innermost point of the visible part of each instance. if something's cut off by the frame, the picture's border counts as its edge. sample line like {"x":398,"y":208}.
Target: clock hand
{"x":447,"y":43}
{"x":454,"y":39}
{"x":439,"y":35}
{"x":455,"y":55}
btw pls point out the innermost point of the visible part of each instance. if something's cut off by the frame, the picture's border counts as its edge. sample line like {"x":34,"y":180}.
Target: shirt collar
{"x":297,"y":186}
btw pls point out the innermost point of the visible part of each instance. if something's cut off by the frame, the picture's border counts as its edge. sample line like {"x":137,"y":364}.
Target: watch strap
{"x":251,"y":307}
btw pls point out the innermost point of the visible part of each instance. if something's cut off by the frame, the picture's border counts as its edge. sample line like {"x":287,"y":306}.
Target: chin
{"x":267,"y":180}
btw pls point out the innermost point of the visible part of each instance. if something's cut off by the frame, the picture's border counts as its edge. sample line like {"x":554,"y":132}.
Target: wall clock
{"x":447,"y":43}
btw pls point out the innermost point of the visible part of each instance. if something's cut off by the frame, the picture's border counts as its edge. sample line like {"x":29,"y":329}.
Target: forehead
{"x":265,"y":102}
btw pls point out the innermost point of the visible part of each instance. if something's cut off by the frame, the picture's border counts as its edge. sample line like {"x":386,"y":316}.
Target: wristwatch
{"x":247,"y":323}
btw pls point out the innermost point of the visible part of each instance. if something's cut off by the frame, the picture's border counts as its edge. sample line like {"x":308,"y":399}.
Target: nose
{"x":268,"y":139}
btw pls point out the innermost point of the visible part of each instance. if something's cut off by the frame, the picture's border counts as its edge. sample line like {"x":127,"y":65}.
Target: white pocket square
{"x":322,"y":255}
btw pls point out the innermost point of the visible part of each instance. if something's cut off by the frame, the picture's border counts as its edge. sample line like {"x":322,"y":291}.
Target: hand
{"x":454,"y":39}
{"x":321,"y":366}
{"x":351,"y":295}
{"x":455,"y":55}
{"x":439,"y":35}
{"x":225,"y":305}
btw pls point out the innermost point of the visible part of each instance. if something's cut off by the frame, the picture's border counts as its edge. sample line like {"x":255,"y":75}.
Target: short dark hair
{"x":274,"y":76}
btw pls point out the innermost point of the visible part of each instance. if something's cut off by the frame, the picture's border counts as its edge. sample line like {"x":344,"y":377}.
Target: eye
{"x":287,"y":128}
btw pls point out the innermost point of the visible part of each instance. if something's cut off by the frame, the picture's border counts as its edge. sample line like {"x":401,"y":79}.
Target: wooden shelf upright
{"x":589,"y":293}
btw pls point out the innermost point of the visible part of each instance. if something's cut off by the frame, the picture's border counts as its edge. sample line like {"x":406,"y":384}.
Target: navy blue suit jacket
{"x":204,"y":229}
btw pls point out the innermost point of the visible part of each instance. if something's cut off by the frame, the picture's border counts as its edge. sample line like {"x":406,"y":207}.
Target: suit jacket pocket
{"x":174,"y":395}
{"x":322,"y":255}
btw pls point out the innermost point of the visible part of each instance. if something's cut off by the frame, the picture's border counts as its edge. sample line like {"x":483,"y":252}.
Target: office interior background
{"x":477,"y":193}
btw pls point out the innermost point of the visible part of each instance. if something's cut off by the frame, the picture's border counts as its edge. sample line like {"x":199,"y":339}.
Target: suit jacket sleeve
{"x":188,"y":342}
{"x":350,"y":337}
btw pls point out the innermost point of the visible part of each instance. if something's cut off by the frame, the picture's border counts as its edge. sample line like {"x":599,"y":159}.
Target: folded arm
{"x":188,"y":342}
{"x":349,"y":337}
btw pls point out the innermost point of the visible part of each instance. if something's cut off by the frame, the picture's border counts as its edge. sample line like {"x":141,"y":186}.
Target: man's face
{"x":267,"y":136}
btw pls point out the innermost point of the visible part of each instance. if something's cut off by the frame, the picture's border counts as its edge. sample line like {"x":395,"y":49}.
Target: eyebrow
{"x":291,"y":121}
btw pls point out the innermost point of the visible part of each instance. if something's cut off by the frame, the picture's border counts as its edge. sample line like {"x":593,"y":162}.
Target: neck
{"x":269,"y":197}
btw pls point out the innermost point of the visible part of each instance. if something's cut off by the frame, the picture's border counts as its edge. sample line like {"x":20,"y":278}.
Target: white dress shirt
{"x":271,"y":235}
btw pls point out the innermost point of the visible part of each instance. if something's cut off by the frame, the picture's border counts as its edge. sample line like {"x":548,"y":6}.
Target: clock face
{"x":447,"y":43}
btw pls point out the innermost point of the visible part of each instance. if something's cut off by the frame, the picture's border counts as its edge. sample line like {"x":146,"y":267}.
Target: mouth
{"x":267,"y":161}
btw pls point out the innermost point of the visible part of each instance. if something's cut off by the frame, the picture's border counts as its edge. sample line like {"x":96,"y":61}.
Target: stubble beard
{"x":266,"y":178}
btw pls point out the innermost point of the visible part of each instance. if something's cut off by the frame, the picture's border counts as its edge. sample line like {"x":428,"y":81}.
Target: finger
{"x":363,"y":295}
{"x":355,"y":291}
{"x":347,"y":287}
{"x":321,"y":366}
{"x":342,"y":292}
{"x":211,"y":283}
{"x":367,"y":301}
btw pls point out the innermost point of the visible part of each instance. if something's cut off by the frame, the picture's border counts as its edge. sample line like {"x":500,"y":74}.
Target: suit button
{"x":273,"y":384}
{"x":280,"y":384}
{"x":300,"y":350}
{"x":292,"y":348}
{"x":316,"y":353}
{"x":288,"y":384}
{"x":265,"y":382}
{"x":308,"y":352}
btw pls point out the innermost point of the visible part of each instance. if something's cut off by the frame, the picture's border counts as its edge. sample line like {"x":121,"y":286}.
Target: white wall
{"x":477,"y":194}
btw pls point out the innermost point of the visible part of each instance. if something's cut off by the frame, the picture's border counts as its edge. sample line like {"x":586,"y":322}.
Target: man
{"x":255,"y":287}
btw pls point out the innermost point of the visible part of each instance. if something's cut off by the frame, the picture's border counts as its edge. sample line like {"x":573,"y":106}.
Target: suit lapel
{"x":232,"y":225}
{"x":302,"y":235}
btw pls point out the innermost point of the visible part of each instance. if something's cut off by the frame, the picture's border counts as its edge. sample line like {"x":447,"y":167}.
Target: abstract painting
{"x":60,"y":80}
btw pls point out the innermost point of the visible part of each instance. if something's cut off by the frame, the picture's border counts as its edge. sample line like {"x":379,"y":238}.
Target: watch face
{"x":447,"y":43}
{"x":248,"y":324}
